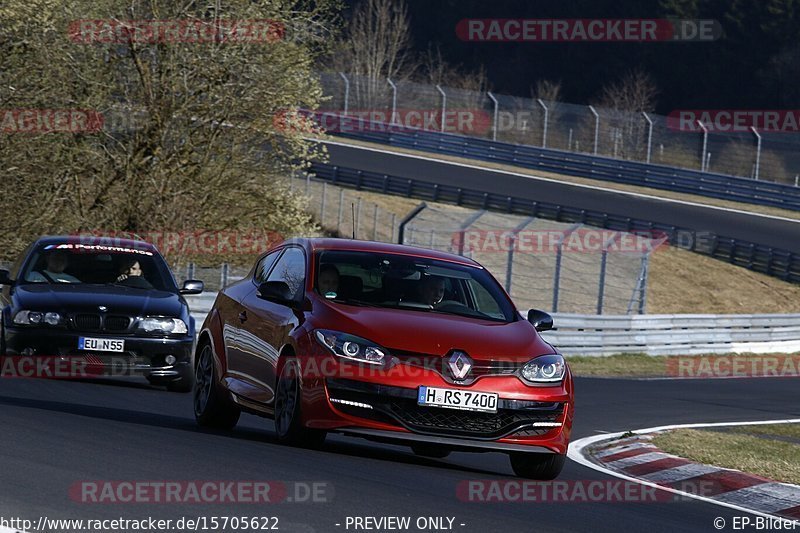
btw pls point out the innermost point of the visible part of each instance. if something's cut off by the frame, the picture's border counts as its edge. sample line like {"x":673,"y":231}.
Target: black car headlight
{"x":38,"y":318}
{"x":160,"y":324}
{"x":351,"y":347}
{"x":544,"y":369}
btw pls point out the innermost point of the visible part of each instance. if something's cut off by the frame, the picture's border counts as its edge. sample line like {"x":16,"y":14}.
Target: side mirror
{"x":540,"y":320}
{"x":192,"y":286}
{"x":5,"y":277}
{"x":275,"y":291}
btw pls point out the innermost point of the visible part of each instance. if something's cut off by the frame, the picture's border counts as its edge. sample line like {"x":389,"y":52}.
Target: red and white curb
{"x":635,"y":458}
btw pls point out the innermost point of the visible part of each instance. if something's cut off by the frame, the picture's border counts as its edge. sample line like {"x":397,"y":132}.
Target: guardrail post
{"x":596,"y":127}
{"x":394,"y":220}
{"x":544,"y":127}
{"x":375,"y":224}
{"x":190,"y":271}
{"x":406,"y":219}
{"x":444,"y":105}
{"x":496,"y":111}
{"x":346,"y":91}
{"x":512,"y":246}
{"x":394,"y":100}
{"x":322,"y":202}
{"x":758,"y":151}
{"x":357,"y":222}
{"x":643,"y":285}
{"x":705,"y":146}
{"x":649,"y":135}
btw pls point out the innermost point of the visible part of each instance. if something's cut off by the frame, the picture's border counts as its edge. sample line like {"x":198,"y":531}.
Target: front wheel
{"x":542,"y":466}
{"x":288,"y":404}
{"x":211,"y":407}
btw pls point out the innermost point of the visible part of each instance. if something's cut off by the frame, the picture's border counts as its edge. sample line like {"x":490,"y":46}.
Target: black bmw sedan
{"x":113,"y":305}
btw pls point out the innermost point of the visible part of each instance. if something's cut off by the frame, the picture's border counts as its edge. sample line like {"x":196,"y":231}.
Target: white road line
{"x":551,"y":180}
{"x":577,"y":447}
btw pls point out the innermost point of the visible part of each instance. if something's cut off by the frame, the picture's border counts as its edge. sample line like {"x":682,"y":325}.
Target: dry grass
{"x":772,"y":459}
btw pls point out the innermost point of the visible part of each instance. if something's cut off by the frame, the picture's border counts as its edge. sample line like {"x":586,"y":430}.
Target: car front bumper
{"x":144,"y":356}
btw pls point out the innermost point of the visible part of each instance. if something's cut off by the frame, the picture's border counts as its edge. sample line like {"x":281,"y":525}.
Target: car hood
{"x":434,"y":333}
{"x":70,"y":298}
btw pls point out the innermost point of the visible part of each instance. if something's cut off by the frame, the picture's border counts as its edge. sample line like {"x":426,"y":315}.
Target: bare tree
{"x":622,"y":103}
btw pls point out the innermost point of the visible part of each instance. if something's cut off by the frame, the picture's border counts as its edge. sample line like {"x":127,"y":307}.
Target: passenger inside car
{"x":328,"y":280}
{"x":57,"y":261}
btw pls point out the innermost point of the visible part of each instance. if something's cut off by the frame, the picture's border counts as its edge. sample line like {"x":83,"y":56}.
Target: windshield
{"x":412,"y":283}
{"x":73,"y":263}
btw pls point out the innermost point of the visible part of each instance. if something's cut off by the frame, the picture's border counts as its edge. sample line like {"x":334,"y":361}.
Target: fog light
{"x":170,"y":359}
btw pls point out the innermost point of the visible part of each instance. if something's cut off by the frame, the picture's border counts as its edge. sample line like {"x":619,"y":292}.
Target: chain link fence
{"x":634,"y":136}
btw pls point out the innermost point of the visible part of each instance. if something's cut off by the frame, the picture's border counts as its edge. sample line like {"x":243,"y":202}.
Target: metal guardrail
{"x":773,"y":262}
{"x":650,"y":175}
{"x":595,"y":335}
{"x":674,"y":334}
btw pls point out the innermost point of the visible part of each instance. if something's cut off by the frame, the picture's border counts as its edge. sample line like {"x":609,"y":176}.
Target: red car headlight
{"x":544,"y":369}
{"x":352,"y":348}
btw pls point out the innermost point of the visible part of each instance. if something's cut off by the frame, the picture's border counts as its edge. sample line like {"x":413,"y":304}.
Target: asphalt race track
{"x":769,"y":231}
{"x":60,"y":433}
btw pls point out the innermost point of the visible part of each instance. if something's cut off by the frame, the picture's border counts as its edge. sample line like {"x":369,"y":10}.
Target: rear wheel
{"x":288,"y":404}
{"x":541,"y":466}
{"x":430,"y":450}
{"x":211,"y":406}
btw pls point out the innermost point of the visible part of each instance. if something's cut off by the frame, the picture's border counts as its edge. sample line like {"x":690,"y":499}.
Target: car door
{"x":269,"y":324}
{"x":234,"y":312}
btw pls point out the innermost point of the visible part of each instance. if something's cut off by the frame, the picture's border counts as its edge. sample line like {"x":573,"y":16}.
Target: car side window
{"x":291,"y":268}
{"x":262,"y":269}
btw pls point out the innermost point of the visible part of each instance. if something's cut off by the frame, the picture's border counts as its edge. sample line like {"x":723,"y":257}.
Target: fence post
{"x":357,"y":222}
{"x":223,"y":276}
{"x":341,"y":212}
{"x":464,"y":226}
{"x":643,"y":285}
{"x":758,"y":150}
{"x":544,"y":128}
{"x":603,"y":263}
{"x":190,"y":271}
{"x":444,"y":105}
{"x":557,"y":273}
{"x":346,"y":91}
{"x":406,"y":219}
{"x":649,"y":135}
{"x":705,"y":146}
{"x":322,"y":203}
{"x":394,"y":100}
{"x":494,"y":120}
{"x":596,"y":127}
{"x":391,"y":235}
{"x":375,"y":224}
{"x":510,"y":259}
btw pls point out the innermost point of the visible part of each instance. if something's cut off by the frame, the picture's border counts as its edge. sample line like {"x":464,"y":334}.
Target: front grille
{"x":468,"y":423}
{"x":87,"y":321}
{"x":116,"y":323}
{"x":97,"y":322}
{"x":398,"y":406}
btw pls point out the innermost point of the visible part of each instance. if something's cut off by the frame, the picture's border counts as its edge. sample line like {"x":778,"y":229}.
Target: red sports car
{"x":387,"y":342}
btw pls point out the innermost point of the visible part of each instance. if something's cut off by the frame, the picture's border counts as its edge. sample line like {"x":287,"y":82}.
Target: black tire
{"x":542,"y":466}
{"x":212,"y":408}
{"x":288,"y":410}
{"x":434,"y":451}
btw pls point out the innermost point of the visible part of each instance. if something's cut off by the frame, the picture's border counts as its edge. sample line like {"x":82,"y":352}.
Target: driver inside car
{"x":432,"y":290}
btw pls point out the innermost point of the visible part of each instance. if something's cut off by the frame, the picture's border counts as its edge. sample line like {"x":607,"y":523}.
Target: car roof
{"x":106,"y":240}
{"x":317,"y":244}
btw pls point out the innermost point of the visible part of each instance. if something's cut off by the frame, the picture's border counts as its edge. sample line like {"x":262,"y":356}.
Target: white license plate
{"x":458,"y":399}
{"x":101,"y":345}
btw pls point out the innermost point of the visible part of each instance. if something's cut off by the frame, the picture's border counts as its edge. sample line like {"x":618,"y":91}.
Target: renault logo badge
{"x":460,"y":364}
